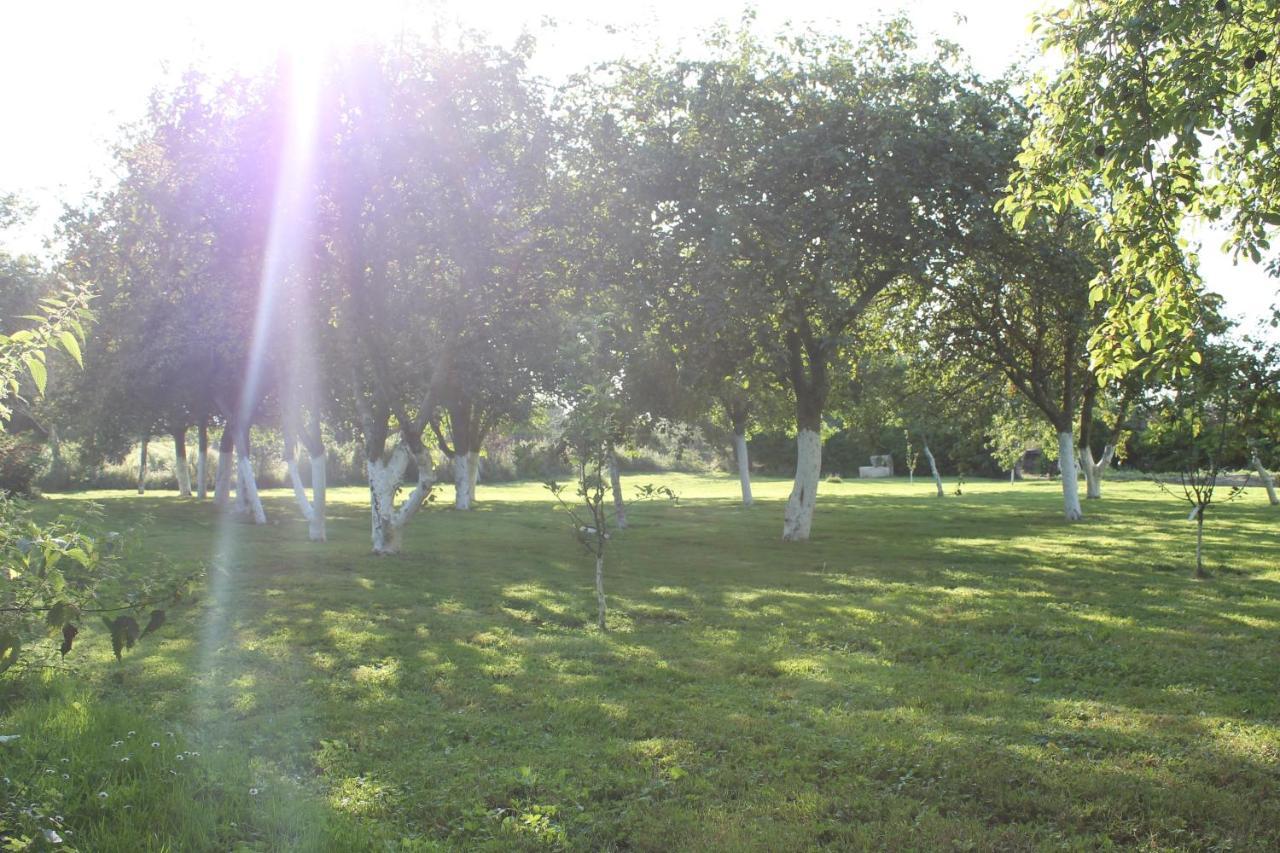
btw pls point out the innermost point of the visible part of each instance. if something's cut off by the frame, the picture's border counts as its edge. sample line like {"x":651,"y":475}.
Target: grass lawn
{"x":965,"y":673}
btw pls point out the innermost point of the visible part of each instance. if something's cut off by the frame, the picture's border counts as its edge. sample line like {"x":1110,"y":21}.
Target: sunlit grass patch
{"x":967,"y":673}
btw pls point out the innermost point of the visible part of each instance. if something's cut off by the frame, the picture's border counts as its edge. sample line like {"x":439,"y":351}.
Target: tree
{"x":819,"y":172}
{"x":176,"y":249}
{"x":1202,"y":429}
{"x":1161,"y":113}
{"x":588,"y":439}
{"x":491,"y":185}
{"x":1020,"y":305}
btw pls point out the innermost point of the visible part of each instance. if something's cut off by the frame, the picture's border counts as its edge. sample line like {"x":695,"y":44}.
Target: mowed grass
{"x":963,"y":673}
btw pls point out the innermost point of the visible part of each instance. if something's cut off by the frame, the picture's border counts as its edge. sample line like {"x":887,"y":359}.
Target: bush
{"x":19,"y":464}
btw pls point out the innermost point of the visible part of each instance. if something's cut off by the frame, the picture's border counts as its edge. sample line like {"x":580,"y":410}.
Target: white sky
{"x":73,"y":71}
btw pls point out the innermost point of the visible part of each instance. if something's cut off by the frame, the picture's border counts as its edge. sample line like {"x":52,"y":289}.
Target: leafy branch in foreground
{"x":54,"y":576}
{"x":58,"y":327}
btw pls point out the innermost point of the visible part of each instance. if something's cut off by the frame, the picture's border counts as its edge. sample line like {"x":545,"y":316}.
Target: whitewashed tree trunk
{"x":744,"y":466}
{"x":462,"y":481}
{"x":312,"y":510}
{"x":798,"y":518}
{"x":181,"y":468}
{"x":933,"y":469}
{"x":600,"y":604}
{"x":319,"y":491}
{"x":1268,"y":481}
{"x":385,"y":475}
{"x":1070,"y":477}
{"x":248,"y":497}
{"x":615,"y":483}
{"x":473,"y":475}
{"x":1093,"y":471}
{"x":142,"y":467}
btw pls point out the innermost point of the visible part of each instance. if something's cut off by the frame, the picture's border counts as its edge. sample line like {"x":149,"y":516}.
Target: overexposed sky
{"x":73,"y":71}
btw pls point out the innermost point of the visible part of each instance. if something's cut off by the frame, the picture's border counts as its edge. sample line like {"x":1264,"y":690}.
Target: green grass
{"x":965,"y":673}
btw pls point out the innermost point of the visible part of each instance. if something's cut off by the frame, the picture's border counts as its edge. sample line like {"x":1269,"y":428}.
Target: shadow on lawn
{"x":1019,"y":683}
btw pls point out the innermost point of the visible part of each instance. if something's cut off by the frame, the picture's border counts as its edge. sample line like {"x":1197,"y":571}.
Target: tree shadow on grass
{"x":907,"y":678}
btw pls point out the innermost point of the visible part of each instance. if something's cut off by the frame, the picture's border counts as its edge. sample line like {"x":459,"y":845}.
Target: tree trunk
{"x":385,"y":474}
{"x":142,"y":466}
{"x":202,"y":460}
{"x":615,"y":483}
{"x":798,"y":518}
{"x":1070,"y":477}
{"x":462,"y":480}
{"x":247,"y":496}
{"x":600,"y":608}
{"x":319,"y":489}
{"x":933,"y":469}
{"x":1268,"y":482}
{"x":473,"y":475}
{"x":1093,"y":471}
{"x":223,"y":477}
{"x":744,"y":466}
{"x":180,"y":467}
{"x":1200,"y":572}
{"x":312,"y":510}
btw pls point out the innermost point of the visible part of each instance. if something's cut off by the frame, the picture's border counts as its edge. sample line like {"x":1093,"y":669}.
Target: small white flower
{"x":123,"y":760}
{"x":102,"y":795}
{"x":131,"y":734}
{"x":66,"y":761}
{"x":179,"y":756}
{"x":253,"y":792}
{"x":48,"y":770}
{"x":194,"y":754}
{"x":66,"y":776}
{"x":155,"y":744}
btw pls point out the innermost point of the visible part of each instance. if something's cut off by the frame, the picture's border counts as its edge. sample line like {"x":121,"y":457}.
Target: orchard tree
{"x":1201,"y":424}
{"x":176,"y":250}
{"x":490,"y":188}
{"x":1021,"y":306}
{"x":383,"y":256}
{"x":822,"y":172}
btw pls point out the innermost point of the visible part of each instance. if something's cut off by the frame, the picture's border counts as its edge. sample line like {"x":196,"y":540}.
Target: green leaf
{"x":72,"y":347}
{"x":38,"y":372}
